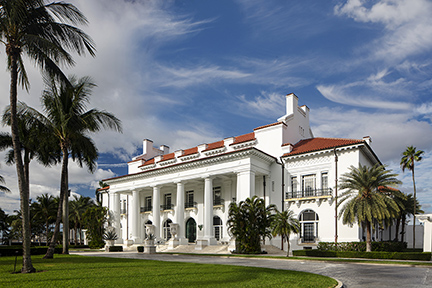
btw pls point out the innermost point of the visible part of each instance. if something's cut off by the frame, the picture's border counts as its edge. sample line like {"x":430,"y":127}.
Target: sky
{"x":187,"y":72}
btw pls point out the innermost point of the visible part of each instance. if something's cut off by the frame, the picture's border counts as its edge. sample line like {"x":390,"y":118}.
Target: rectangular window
{"x":294,"y":184}
{"x":148,"y":204}
{"x":189,"y":199}
{"x":324,"y":181}
{"x":167,"y":201}
{"x":217,"y":196}
{"x":309,"y":182}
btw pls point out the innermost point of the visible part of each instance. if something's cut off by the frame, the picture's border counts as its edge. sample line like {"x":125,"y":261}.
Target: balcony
{"x":146,"y":209}
{"x":190,"y":205}
{"x":167,"y":207}
{"x":316,"y":193}
{"x":218,"y":202}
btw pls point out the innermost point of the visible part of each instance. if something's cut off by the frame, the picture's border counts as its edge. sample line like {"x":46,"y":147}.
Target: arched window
{"x":145,"y":231}
{"x":309,"y":226}
{"x":167,"y":229}
{"x":217,"y":227}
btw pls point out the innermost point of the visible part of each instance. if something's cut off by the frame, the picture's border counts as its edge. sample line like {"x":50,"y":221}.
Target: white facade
{"x":193,"y":188}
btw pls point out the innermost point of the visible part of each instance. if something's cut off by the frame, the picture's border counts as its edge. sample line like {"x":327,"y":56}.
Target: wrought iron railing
{"x":146,"y":209}
{"x":167,"y":206}
{"x":309,"y":193}
{"x":191,"y":205}
{"x":218,"y":201}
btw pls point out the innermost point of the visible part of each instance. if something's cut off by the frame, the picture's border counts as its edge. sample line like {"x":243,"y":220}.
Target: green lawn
{"x":83,"y":271}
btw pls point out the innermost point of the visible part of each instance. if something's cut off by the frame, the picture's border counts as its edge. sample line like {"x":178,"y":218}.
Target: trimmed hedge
{"x":385,"y":246}
{"x":39,"y":250}
{"x":140,"y":248}
{"x":422,"y":256}
{"x":115,"y":249}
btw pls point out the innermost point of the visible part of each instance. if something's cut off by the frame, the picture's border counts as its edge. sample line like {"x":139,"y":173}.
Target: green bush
{"x":96,"y":244}
{"x":140,"y":248}
{"x":387,"y":246}
{"x":115,"y":249}
{"x":423,"y":256}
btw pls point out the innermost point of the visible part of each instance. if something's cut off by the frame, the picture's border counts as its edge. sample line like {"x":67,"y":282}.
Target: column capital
{"x":208,"y":176}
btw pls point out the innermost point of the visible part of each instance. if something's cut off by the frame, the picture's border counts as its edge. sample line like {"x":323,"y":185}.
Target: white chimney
{"x":291,"y":103}
{"x":147,"y":146}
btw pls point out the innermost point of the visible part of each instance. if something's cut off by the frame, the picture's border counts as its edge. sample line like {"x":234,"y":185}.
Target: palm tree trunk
{"x":398,"y":220}
{"x":65,"y":187}
{"x":50,"y":252}
{"x":22,"y":185}
{"x":288,"y":244}
{"x":368,"y":237}
{"x":415,"y":204}
{"x":403,"y":228}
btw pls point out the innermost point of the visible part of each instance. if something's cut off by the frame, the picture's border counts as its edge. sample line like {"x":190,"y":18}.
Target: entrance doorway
{"x":191,"y":230}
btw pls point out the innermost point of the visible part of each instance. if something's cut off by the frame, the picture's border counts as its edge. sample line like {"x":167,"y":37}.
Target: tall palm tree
{"x":284,"y":223}
{"x":408,"y":211}
{"x":409,"y":157}
{"x":45,"y":33}
{"x":367,"y":197}
{"x":45,"y":209}
{"x":64,"y":105}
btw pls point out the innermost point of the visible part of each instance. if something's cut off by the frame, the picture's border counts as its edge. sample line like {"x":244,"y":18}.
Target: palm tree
{"x":367,"y":197}
{"x":64,"y":105}
{"x":36,"y":29}
{"x":411,"y":155}
{"x":97,"y":192}
{"x":77,"y":208}
{"x":409,"y":210}
{"x":284,"y":223}
{"x":249,"y":222}
{"x":3,"y":188}
{"x":45,"y":208}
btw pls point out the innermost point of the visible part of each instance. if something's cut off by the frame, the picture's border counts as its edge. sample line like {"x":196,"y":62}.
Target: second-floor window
{"x":148,"y":203}
{"x":217,"y":195}
{"x":308,"y":182}
{"x":189,"y":199}
{"x":293,"y":184}
{"x":324,"y":181}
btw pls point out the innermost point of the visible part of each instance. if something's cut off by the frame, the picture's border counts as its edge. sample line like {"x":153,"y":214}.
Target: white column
{"x":136,"y":217}
{"x":245,"y":185}
{"x":179,"y":213}
{"x":156,"y":211}
{"x":116,"y":214}
{"x":208,"y":211}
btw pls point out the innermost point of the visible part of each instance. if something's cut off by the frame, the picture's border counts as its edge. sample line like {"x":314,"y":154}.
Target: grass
{"x":84,"y":271}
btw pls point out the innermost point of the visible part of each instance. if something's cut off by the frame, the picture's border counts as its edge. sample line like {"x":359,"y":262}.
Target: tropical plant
{"x":66,"y":116}
{"x":94,"y":220}
{"x":45,"y":210}
{"x":110,"y":235}
{"x":408,"y":211}
{"x":97,"y":192}
{"x":4,"y":226}
{"x":409,"y":157}
{"x":3,"y":188}
{"x":249,"y":222}
{"x":284,"y":223}
{"x":367,"y":197}
{"x":44,"y":33}
{"x":77,"y":208}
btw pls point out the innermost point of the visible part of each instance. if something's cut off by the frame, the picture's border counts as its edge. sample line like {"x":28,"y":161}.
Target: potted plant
{"x":110,"y":236}
{"x":149,"y":241}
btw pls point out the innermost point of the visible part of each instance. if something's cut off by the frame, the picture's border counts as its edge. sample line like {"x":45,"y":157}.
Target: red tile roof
{"x":190,"y":151}
{"x":148,"y":162}
{"x":215,"y":145}
{"x":168,"y":157}
{"x":316,"y":144}
{"x":244,"y":138}
{"x":104,"y":188}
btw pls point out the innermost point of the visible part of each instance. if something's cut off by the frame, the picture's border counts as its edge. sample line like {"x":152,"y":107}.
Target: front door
{"x":191,"y":230}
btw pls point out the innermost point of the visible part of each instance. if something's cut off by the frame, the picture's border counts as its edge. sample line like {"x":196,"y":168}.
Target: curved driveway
{"x":351,"y":274}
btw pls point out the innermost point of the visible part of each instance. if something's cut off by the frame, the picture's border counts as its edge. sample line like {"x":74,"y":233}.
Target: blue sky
{"x":184,"y":73}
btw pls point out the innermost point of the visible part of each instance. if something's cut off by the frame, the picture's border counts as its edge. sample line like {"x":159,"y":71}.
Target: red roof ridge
{"x":320,"y":143}
{"x":189,"y":151}
{"x":244,"y":138}
{"x":148,"y":162}
{"x":215,"y":145}
{"x":269,"y":125}
{"x":167,"y":157}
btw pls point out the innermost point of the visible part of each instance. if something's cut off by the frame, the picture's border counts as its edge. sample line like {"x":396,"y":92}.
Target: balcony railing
{"x":167,"y":207}
{"x":191,"y":205}
{"x":309,"y":193}
{"x":146,"y":209}
{"x":218,"y":202}
{"x":123,"y":211}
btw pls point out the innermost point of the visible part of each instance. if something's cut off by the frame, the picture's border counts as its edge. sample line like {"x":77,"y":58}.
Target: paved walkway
{"x":353,"y":275}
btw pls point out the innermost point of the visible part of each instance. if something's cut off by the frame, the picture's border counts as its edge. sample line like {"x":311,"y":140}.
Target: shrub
{"x":115,"y":249}
{"x":140,"y":248}
{"x":423,"y":256}
{"x":39,"y":250}
{"x":387,"y":246}
{"x":96,"y":244}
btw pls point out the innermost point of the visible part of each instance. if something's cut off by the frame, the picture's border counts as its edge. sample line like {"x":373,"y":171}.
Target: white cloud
{"x":268,"y":105}
{"x":407,"y":25}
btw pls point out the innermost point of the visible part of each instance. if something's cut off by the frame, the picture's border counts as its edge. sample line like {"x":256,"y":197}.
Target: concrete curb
{"x":340,"y":284}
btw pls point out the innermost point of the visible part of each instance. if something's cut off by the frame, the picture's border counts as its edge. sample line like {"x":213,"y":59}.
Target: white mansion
{"x":282,"y":162}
